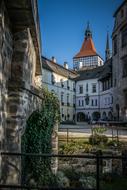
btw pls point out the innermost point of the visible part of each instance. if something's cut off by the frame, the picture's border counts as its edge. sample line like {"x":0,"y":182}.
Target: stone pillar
{"x":18,"y":103}
{"x":15,"y":121}
{"x":55,"y":148}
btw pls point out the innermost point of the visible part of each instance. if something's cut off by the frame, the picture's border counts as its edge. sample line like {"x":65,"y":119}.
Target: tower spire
{"x":88,"y":32}
{"x":107,"y":50}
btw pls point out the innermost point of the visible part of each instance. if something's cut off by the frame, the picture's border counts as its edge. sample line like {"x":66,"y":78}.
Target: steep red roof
{"x":87,"y":48}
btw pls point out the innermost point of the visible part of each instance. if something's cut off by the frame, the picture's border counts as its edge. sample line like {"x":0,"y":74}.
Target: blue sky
{"x":63,"y":23}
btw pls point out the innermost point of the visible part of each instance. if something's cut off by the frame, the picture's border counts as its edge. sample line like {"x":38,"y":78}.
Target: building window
{"x":94,"y":88}
{"x":73,"y":86}
{"x":68,"y":100}
{"x":87,"y":99}
{"x":68,"y":115}
{"x":115,"y":45}
{"x":87,"y":87}
{"x":96,"y":102}
{"x":79,"y":102}
{"x":124,"y":65}
{"x":91,"y":102}
{"x":52,"y":79}
{"x":62,"y":83}
{"x":62,"y":98}
{"x":73,"y":100}
{"x":81,"y":89}
{"x":124,"y":37}
{"x":62,"y":112}
{"x":82,"y":102}
{"x":68,"y":87}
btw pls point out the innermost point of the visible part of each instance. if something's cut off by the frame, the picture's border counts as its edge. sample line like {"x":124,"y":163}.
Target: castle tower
{"x":107,"y":50}
{"x":87,"y":57}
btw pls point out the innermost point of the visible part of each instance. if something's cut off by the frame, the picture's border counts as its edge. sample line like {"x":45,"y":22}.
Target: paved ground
{"x":84,"y":130}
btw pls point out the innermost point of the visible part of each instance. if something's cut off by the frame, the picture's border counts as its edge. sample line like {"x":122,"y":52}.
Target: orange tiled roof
{"x":87,"y":48}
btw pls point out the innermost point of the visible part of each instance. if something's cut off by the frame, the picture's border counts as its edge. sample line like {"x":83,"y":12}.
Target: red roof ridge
{"x":87,"y":49}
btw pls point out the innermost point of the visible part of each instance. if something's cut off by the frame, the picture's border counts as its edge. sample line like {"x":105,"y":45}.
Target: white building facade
{"x":93,"y":96}
{"x":59,"y":80}
{"x":87,"y":99}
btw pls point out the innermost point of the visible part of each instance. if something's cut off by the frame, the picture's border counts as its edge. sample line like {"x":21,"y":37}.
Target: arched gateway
{"x":80,"y":117}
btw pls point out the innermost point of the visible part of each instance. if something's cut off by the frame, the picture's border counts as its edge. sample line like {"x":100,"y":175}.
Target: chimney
{"x":53,"y":59}
{"x":65,"y":65}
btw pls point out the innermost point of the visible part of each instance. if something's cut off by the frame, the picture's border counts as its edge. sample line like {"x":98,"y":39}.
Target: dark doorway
{"x":80,"y":117}
{"x":96,"y":116}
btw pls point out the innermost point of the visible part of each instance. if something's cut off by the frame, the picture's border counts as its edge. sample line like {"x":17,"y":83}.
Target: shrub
{"x":104,"y":139}
{"x":97,"y":139}
{"x":115,"y":143}
{"x":62,"y":180}
{"x":74,"y":147}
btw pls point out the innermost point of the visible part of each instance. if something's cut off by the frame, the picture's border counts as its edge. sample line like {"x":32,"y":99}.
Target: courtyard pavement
{"x":84,"y":130}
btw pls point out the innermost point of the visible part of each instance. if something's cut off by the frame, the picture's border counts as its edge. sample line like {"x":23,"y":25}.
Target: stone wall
{"x":6,"y":50}
{"x":119,"y":82}
{"x":18,"y":95}
{"x":19,"y":71}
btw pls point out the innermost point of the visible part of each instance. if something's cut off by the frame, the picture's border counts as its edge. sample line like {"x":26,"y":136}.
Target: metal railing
{"x":68,"y":131}
{"x":97,"y":157}
{"x":112,"y":135}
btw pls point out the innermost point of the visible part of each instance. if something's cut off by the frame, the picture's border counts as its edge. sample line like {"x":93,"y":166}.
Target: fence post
{"x":97,"y":171}
{"x":67,"y":135}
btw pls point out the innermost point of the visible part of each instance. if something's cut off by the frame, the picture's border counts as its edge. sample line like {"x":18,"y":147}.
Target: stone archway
{"x":81,"y":117}
{"x":21,"y":103}
{"x":96,"y":116}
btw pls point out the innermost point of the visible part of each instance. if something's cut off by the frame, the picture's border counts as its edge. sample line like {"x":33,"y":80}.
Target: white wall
{"x":58,"y":89}
{"x":102,"y":100}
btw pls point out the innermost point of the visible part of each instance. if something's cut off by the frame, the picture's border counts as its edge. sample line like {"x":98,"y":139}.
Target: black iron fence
{"x":115,"y":132}
{"x":98,"y":161}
